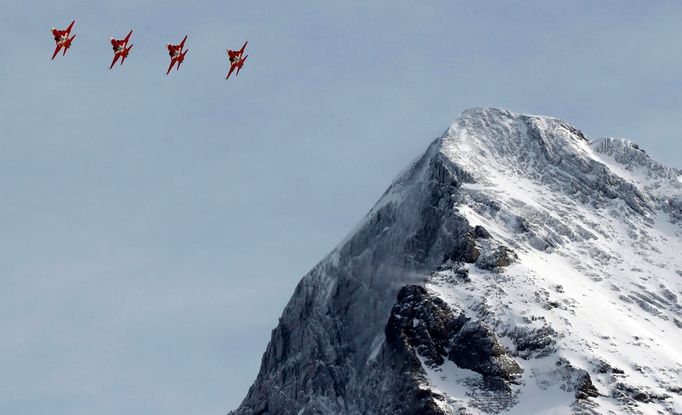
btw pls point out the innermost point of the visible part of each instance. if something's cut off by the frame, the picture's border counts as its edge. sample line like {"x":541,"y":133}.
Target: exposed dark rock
{"x":585,"y":388}
{"x":551,"y":304}
{"x":604,"y":368}
{"x":425,"y":322}
{"x":418,"y":325}
{"x":575,"y":131}
{"x":627,"y":393}
{"x":576,"y":379}
{"x":465,"y":249}
{"x":481,"y":232}
{"x":531,"y":342}
{"x":497,"y":258}
{"x":463,"y":274}
{"x":475,"y":347}
{"x":435,"y":331}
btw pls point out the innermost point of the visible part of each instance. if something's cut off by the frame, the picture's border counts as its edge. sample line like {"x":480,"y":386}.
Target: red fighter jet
{"x":61,"y":37}
{"x":236,"y":60}
{"x":121,"y":49}
{"x":176,"y":54}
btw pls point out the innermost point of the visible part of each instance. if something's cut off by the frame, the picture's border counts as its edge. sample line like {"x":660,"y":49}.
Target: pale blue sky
{"x":152,"y":228}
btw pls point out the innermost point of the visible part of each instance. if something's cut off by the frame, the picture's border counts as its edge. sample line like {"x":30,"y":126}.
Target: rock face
{"x":435,"y":331}
{"x":504,"y":270}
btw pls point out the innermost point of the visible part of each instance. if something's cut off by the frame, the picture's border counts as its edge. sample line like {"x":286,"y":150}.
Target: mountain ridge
{"x":503,"y":229}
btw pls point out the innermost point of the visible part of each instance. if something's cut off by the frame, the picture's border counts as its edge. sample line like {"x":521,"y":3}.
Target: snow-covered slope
{"x":516,"y":267}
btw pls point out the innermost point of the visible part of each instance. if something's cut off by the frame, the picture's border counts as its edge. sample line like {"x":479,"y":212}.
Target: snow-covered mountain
{"x":516,"y":267}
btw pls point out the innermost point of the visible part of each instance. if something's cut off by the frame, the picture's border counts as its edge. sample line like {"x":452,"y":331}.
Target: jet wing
{"x":173,"y":60}
{"x":125,"y":41}
{"x":182,"y":58}
{"x":116,"y":56}
{"x":125,"y":55}
{"x":182,"y":44}
{"x":241,"y":64}
{"x":241,"y":51}
{"x":56,"y":51}
{"x":68,"y":29}
{"x":234,"y":65}
{"x":68,"y":44}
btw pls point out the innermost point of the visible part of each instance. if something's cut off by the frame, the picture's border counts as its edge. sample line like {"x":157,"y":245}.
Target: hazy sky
{"x":152,"y":228}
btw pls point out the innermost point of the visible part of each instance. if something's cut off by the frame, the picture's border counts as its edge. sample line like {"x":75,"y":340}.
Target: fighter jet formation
{"x":121,"y":47}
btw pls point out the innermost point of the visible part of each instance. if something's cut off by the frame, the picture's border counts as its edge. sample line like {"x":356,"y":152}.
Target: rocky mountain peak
{"x":516,"y":266}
